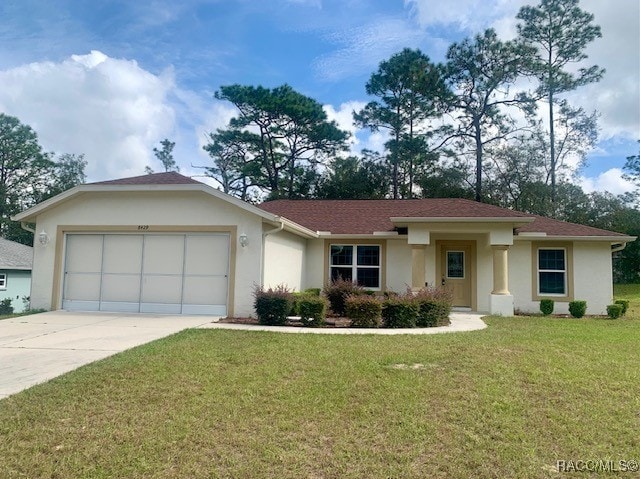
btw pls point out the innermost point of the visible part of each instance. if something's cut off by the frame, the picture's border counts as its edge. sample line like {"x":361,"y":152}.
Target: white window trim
{"x":564,"y":271}
{"x":354,"y":266}
{"x":3,"y":281}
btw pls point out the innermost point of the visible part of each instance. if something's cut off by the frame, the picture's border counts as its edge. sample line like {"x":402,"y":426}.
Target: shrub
{"x":364,"y":311}
{"x":434,"y":307}
{"x":400,"y":312}
{"x":624,"y":303}
{"x":577,"y":308}
{"x":5,"y":306}
{"x":273,"y":305}
{"x":337,"y":292}
{"x":312,"y":310}
{"x":546,"y":306}
{"x":615,"y":310}
{"x":296,"y":297}
{"x":313,"y":291}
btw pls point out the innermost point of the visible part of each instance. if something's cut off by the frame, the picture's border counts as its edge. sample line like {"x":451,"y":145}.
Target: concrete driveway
{"x":39,"y":347}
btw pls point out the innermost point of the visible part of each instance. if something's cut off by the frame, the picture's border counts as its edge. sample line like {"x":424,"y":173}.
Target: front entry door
{"x":456,"y":272}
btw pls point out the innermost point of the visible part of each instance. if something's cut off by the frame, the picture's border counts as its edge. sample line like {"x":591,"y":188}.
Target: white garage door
{"x":150,"y":273}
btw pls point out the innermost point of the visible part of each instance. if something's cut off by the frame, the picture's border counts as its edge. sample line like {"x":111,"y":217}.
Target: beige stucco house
{"x":165,"y":243}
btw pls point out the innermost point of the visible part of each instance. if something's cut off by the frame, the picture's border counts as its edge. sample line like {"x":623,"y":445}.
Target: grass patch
{"x":632,"y":293}
{"x":508,"y":401}
{"x":24,"y":313}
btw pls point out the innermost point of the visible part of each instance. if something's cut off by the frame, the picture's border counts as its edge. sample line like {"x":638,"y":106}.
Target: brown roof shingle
{"x":367,"y":216}
{"x":166,"y":178}
{"x":562,"y":228}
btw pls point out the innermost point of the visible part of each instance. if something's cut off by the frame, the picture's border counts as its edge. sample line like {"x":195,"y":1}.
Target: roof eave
{"x":607,"y":239}
{"x":516,"y":221}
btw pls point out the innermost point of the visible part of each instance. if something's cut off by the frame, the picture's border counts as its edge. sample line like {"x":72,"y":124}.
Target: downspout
{"x":277,"y":229}
{"x":25,"y":227}
{"x":620,"y":247}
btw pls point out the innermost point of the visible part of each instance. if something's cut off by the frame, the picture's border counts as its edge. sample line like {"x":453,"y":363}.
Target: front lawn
{"x":508,"y":401}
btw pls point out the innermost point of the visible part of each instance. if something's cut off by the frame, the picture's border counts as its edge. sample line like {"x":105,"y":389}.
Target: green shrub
{"x":296,"y":297}
{"x":577,"y":308}
{"x":400,"y":312}
{"x":615,"y":310}
{"x":5,"y":306}
{"x":546,"y":306}
{"x":434,"y":307}
{"x":364,"y":311}
{"x":313,"y":291}
{"x":312,"y":310}
{"x":624,"y":303}
{"x":273,"y":305}
{"x":337,"y":292}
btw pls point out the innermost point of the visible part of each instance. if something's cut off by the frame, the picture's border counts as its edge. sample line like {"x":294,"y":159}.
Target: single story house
{"x":165,"y":243}
{"x":15,"y":273}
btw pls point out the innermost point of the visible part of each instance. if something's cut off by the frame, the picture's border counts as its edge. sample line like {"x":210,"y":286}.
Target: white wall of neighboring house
{"x":284,"y":260}
{"x":100,"y":210}
{"x":17,"y":287}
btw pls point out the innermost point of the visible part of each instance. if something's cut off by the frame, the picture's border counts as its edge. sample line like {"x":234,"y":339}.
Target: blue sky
{"x":110,"y":79}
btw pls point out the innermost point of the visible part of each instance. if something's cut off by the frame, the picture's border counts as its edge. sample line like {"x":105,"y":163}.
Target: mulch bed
{"x":335,"y":322}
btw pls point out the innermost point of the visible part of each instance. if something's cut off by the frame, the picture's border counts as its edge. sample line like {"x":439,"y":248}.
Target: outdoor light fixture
{"x":244,"y":240}
{"x":43,"y":238}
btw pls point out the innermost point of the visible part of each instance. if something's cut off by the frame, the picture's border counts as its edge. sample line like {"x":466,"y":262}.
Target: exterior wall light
{"x":43,"y":238}
{"x":244,"y":240}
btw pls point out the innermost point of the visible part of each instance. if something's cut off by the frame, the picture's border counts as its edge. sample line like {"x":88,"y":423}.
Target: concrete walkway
{"x":39,"y":347}
{"x":459,"y":322}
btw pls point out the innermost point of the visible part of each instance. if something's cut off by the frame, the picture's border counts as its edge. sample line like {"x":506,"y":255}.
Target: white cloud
{"x":343,"y":116}
{"x":364,"y":47}
{"x":110,"y":109}
{"x":610,"y":181}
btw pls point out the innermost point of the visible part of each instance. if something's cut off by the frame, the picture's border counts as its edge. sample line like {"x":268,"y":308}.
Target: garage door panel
{"x":205,"y":290}
{"x":84,"y":254}
{"x":82,"y":287}
{"x":207,"y":254}
{"x":121,"y":287}
{"x":163,"y":254}
{"x":122,"y":254}
{"x":162,"y":289}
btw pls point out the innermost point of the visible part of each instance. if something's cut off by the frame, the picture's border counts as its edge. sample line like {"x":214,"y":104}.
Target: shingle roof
{"x":367,"y":216}
{"x":562,"y":228}
{"x":15,"y":255}
{"x":167,"y":178}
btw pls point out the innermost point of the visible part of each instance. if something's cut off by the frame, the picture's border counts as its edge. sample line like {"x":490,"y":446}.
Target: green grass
{"x":508,"y":401}
{"x":630,"y":292}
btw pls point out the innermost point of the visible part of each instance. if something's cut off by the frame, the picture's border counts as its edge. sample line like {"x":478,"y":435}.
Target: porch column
{"x":500,"y":269}
{"x":417,"y":266}
{"x":501,"y":301}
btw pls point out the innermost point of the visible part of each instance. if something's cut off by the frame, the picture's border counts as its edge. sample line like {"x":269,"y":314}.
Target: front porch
{"x":471,"y":259}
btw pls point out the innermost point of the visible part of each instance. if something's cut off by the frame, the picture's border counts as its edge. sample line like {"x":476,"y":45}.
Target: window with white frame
{"x":3,"y":281}
{"x":357,"y":263}
{"x":552,"y":271}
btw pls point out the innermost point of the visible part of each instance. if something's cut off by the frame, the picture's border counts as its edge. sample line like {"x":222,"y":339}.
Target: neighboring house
{"x":15,"y":273}
{"x":165,"y":243}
